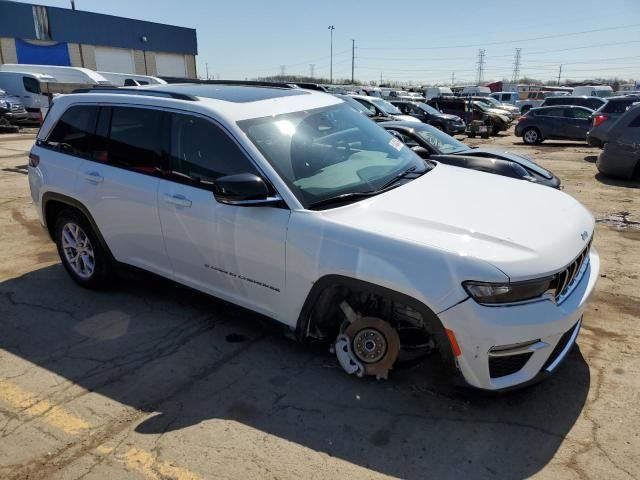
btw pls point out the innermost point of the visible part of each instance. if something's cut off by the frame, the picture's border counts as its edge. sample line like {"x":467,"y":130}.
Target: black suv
{"x":450,"y":124}
{"x":471,"y":110}
{"x":604,"y":118}
{"x":593,"y":103}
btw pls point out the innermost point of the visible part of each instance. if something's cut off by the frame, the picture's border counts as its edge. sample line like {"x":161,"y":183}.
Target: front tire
{"x":80,"y":250}
{"x":531,"y":136}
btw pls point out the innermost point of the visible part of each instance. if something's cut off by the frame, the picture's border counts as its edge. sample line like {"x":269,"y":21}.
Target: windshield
{"x":440,"y":141}
{"x":385,"y":106}
{"x":352,"y":102}
{"x":429,"y":109}
{"x":492,"y":101}
{"x":481,"y":106}
{"x":331,"y":151}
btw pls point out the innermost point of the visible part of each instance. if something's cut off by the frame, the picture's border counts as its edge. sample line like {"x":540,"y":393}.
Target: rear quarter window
{"x":617,"y":107}
{"x":74,"y":133}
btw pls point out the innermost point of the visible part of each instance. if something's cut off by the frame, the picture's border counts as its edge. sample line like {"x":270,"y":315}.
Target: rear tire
{"x":531,"y":136}
{"x":80,"y":250}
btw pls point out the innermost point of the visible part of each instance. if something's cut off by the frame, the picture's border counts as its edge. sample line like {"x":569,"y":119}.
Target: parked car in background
{"x":131,"y":80}
{"x":469,"y":111}
{"x":593,"y":103}
{"x":506,"y":97}
{"x":81,"y":76}
{"x":433,"y":92}
{"x":12,"y":111}
{"x":381,"y":108}
{"x":560,"y":123}
{"x":366,"y":111}
{"x":593,"y":91}
{"x":512,"y":110}
{"x":620,"y":156}
{"x":370,"y":91}
{"x":535,"y":98}
{"x":28,"y":88}
{"x":475,"y":90}
{"x":605,"y":117}
{"x":431,"y":143}
{"x":451,"y":124}
{"x":415,"y":97}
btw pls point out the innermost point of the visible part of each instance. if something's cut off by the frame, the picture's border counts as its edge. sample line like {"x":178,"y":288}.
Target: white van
{"x":593,"y":91}
{"x":476,"y":91}
{"x":28,"y":88}
{"x":435,"y":92}
{"x":82,"y":76}
{"x":131,"y":80}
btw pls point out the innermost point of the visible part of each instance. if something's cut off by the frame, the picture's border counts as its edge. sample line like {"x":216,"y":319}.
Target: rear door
{"x":578,"y":122}
{"x":233,"y":252}
{"x":119,"y":185}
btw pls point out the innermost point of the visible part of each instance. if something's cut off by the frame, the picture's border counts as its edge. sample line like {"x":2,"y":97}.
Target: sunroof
{"x":233,"y":93}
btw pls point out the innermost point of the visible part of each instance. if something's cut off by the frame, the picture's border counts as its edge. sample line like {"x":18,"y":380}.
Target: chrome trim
{"x":517,"y":349}
{"x":575,"y":281}
{"x":565,"y":350}
{"x":247,"y":203}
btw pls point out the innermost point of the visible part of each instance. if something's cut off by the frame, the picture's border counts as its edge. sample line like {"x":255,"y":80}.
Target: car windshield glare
{"x":429,"y":109}
{"x":481,"y":106}
{"x":330,"y":151}
{"x":440,"y":141}
{"x":386,"y":107}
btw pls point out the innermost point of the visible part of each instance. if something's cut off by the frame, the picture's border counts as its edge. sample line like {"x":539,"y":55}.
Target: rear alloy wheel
{"x":81,"y":253}
{"x":531,"y":136}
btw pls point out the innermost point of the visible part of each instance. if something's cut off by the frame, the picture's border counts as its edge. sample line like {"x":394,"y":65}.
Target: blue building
{"x":35,"y":34}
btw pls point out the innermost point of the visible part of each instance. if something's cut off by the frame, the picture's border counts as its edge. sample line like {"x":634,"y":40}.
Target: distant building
{"x":37,"y":34}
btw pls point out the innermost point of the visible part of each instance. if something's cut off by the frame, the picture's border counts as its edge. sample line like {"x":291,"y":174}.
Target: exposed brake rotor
{"x":375,"y":345}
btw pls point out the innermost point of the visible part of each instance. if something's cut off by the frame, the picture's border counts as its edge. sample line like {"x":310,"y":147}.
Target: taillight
{"x":599,"y":120}
{"x":34,"y":160}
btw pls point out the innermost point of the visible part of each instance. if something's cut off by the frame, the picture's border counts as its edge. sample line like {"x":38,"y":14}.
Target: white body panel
{"x":119,"y":78}
{"x":13,"y":83}
{"x":421,"y":239}
{"x":433,"y":92}
{"x":61,"y":74}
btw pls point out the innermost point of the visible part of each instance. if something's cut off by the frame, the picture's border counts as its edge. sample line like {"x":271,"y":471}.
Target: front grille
{"x":562,"y":343}
{"x":565,"y":281}
{"x":507,"y":364}
{"x":17,"y":108}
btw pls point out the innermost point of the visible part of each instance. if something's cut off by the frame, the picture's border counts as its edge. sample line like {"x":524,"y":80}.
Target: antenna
{"x":516,"y":67}
{"x":480,"y":75}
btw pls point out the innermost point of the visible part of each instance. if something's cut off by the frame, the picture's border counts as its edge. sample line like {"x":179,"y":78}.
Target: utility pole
{"x":480,"y":74}
{"x":353,"y":58}
{"x":331,"y":28}
{"x":380,"y":78}
{"x":312,"y":67}
{"x":206,"y":68}
{"x":559,"y":74}
{"x":453,"y":78}
{"x":516,"y":67}
{"x":282,"y":68}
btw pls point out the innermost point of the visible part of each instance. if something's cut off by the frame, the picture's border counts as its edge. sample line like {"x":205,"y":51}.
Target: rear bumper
{"x":594,"y":141}
{"x":534,"y":337}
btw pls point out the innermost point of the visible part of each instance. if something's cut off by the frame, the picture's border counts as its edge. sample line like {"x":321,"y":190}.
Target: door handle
{"x":178,"y":200}
{"x":94,"y":177}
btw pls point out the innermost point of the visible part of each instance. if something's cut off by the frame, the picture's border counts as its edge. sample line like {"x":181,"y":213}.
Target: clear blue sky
{"x":413,"y":40}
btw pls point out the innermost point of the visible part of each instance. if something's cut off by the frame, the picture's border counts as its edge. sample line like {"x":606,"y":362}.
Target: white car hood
{"x":406,"y":118}
{"x":525,"y":230}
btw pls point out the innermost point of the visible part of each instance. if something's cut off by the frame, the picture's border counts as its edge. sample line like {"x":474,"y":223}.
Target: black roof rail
{"x":138,"y":91}
{"x":255,"y":83}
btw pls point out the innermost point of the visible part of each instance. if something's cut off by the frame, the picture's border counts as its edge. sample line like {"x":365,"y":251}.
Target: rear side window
{"x":31,"y":85}
{"x":203,"y":152}
{"x":135,"y":139}
{"x":74,"y":133}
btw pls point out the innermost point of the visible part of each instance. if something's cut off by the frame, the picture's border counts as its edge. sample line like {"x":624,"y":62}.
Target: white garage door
{"x":117,"y":60}
{"x":171,"y":65}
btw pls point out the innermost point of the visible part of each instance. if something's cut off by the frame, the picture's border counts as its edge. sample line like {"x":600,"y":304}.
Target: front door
{"x":578,"y":122}
{"x":233,"y":252}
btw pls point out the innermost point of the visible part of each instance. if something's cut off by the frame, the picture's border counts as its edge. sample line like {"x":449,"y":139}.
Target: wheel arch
{"x":53,"y":203}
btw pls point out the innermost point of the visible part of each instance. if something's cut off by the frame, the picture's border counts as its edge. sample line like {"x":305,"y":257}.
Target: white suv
{"x":292,"y":204}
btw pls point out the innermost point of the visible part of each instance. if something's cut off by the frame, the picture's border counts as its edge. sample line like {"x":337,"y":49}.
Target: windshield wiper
{"x":402,"y":175}
{"x":345,"y":197}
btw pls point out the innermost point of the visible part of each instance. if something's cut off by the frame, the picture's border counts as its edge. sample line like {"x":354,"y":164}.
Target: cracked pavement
{"x":143,"y":381}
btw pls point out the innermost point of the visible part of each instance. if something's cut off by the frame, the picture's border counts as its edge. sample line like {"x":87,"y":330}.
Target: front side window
{"x":74,"y":133}
{"x":551,"y":112}
{"x":331,"y":151}
{"x":135,"y":139}
{"x":202,"y":152}
{"x":31,"y":85}
{"x":385,"y":106}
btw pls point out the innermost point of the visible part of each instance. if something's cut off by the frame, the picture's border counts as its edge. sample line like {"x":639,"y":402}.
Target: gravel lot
{"x":153,"y":381}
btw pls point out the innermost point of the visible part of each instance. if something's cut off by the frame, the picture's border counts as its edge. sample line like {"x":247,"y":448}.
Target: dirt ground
{"x":153,"y":381}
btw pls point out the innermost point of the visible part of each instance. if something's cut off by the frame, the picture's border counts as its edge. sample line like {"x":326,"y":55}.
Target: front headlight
{"x":496,"y":293}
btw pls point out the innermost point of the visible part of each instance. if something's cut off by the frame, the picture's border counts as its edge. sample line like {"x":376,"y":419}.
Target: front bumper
{"x":456,"y":128}
{"x":16,"y":117}
{"x":481,"y":330}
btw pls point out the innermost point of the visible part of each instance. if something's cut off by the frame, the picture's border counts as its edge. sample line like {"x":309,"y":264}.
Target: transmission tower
{"x":516,"y":67}
{"x":480,"y":75}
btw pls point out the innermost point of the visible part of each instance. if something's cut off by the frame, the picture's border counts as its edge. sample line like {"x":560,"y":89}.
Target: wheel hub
{"x":78,"y":250}
{"x":375,"y":345}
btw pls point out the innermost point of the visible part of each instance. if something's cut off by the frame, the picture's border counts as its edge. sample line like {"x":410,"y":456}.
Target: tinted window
{"x":74,"y":132}
{"x":203,"y":152}
{"x":31,"y":85}
{"x":618,"y":106}
{"x":635,"y":122}
{"x":551,"y":112}
{"x":578,"y":113}
{"x":135,"y":140}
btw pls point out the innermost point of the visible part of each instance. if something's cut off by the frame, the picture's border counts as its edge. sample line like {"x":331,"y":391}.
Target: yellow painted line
{"x":145,"y":463}
{"x":30,"y":405}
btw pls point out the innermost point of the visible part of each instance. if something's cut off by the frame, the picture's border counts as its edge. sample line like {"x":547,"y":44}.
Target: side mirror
{"x":421,"y":151}
{"x":243,"y":189}
{"x":396,"y":134}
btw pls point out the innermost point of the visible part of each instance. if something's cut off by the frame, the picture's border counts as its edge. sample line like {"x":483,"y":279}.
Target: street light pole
{"x":331,"y":29}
